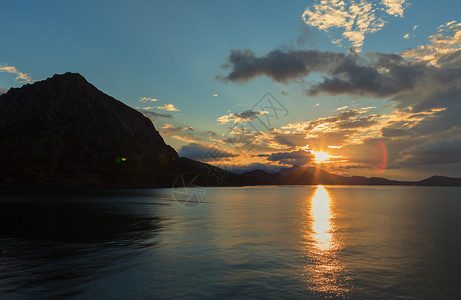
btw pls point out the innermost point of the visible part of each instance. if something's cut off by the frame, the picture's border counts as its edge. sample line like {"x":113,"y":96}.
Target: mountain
{"x":440,"y":181}
{"x":298,"y":175}
{"x":63,"y":131}
{"x":260,"y":177}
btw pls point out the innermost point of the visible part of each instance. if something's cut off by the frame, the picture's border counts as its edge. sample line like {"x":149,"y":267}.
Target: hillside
{"x":63,"y":131}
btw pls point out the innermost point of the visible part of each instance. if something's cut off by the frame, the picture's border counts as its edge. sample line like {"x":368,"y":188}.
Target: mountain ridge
{"x":64,"y":129}
{"x":64,"y":132}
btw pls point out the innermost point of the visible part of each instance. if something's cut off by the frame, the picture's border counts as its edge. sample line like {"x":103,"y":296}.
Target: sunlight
{"x":322,"y":245}
{"x":321,"y":215}
{"x":321,"y":157}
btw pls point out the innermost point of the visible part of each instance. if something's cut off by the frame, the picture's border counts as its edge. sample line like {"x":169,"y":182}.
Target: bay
{"x":310,"y":242}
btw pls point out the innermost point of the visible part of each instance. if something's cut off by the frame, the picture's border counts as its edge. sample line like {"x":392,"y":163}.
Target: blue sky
{"x":175,"y":51}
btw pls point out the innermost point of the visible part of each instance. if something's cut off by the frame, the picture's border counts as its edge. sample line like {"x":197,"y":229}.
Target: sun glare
{"x":321,"y":157}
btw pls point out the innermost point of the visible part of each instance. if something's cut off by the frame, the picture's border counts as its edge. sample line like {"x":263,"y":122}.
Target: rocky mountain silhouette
{"x":63,"y":131}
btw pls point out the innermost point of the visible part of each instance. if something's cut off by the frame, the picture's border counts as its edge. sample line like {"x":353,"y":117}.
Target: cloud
{"x":433,"y":153}
{"x":3,"y":90}
{"x":394,"y":7}
{"x":293,"y":158}
{"x":390,"y":132}
{"x":407,"y":36}
{"x":153,"y":116}
{"x":169,"y":107}
{"x":244,"y":116}
{"x":421,"y":132}
{"x":443,"y":50}
{"x":355,"y":19}
{"x":147,"y":99}
{"x":321,"y":123}
{"x":204,"y":152}
{"x":332,"y":130}
{"x":400,"y":139}
{"x":167,"y":129}
{"x":211,"y":133}
{"x":358,"y":138}
{"x":20,"y":76}
{"x":374,"y":74}
{"x":185,"y":138}
{"x":280,"y":66}
{"x":348,"y":127}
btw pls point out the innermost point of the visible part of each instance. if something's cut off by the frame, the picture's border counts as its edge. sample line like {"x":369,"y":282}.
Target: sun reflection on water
{"x":322,"y":271}
{"x":321,"y":218}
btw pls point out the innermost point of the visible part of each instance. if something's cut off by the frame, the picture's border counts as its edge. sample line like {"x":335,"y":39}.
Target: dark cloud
{"x":212,"y":133}
{"x":204,"y":152}
{"x":435,"y":152}
{"x":341,"y":117}
{"x":450,"y":60}
{"x":289,"y":139}
{"x":280,"y":66}
{"x":244,"y":116}
{"x":293,"y":158}
{"x":390,"y":132}
{"x":376,"y":74}
{"x":167,"y":129}
{"x":432,"y":96}
{"x":248,"y":114}
{"x":381,"y":75}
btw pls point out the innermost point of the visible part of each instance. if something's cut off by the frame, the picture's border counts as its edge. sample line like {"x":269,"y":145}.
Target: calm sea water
{"x":258,"y":242}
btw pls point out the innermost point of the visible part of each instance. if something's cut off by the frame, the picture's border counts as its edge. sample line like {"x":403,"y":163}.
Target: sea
{"x":265,"y":242}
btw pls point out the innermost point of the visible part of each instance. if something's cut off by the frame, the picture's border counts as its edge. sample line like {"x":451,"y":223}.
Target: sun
{"x":321,"y":157}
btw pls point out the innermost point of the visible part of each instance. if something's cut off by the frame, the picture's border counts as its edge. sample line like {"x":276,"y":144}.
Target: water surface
{"x":259,"y":242}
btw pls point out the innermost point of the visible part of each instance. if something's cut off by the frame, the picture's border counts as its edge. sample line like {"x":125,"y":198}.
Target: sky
{"x":357,"y":87}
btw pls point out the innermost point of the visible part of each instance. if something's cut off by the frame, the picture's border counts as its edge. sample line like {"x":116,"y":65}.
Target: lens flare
{"x":380,"y":158}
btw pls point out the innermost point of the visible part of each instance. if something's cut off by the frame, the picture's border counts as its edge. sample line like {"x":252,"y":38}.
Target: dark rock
{"x":65,"y":132}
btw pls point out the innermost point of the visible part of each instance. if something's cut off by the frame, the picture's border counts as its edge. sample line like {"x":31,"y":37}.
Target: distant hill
{"x":309,"y":175}
{"x":64,"y":132}
{"x":440,"y":181}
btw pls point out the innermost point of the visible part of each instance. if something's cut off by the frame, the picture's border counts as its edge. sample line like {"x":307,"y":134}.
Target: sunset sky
{"x":369,"y":87}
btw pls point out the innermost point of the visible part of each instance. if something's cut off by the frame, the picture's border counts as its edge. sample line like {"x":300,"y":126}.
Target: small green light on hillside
{"x":120,"y":159}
